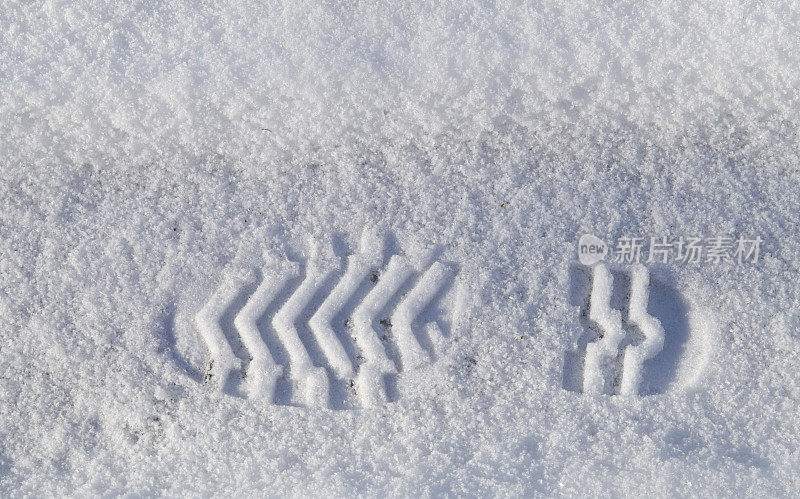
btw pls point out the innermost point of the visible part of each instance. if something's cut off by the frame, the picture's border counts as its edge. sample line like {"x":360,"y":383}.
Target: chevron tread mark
{"x":312,"y":380}
{"x":361,"y":288}
{"x":263,"y":371}
{"x":223,"y":360}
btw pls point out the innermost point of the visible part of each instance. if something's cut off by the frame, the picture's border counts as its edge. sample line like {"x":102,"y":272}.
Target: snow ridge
{"x":610,"y":321}
{"x":309,"y":372}
{"x":635,"y":355}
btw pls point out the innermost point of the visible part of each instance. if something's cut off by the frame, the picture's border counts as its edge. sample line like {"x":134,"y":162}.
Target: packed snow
{"x":331,"y":248}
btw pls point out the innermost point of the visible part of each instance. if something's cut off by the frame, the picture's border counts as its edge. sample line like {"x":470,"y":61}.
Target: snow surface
{"x":151,"y":150}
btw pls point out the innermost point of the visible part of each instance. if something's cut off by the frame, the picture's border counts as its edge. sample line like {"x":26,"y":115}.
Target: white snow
{"x":650,"y":327}
{"x":152,"y":154}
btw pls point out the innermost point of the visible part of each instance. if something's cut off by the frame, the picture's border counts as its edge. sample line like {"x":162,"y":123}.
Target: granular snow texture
{"x":153,"y":153}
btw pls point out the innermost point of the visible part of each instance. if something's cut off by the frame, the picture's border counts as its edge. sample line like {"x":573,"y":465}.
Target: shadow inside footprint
{"x":580,"y":284}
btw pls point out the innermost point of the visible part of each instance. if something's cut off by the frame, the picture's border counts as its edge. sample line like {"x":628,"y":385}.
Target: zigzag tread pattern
{"x":421,"y":279}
